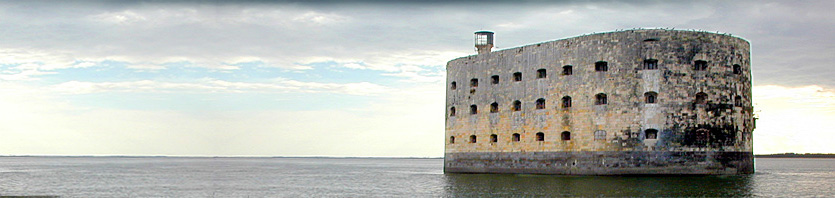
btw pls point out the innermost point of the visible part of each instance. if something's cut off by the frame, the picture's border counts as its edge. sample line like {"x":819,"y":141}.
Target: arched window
{"x":494,"y":138}
{"x":517,"y":105}
{"x":565,"y":135}
{"x":474,"y":82}
{"x":700,"y":65}
{"x":517,"y":76}
{"x":540,"y":103}
{"x":452,"y":111}
{"x":472,"y":139}
{"x":600,"y":99}
{"x":651,"y":134}
{"x":737,"y":69}
{"x":650,"y":97}
{"x":540,"y":136}
{"x":452,"y":139}
{"x":738,"y":101}
{"x":650,"y":64}
{"x":601,"y":66}
{"x":453,"y":86}
{"x":473,"y":109}
{"x":494,"y":79}
{"x":600,"y":135}
{"x":494,"y":107}
{"x":566,"y":70}
{"x":566,"y":102}
{"x":701,"y":98}
{"x":541,"y":73}
{"x":515,"y":137}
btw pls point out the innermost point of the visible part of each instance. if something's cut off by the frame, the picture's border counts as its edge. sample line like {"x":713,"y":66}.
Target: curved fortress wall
{"x":628,"y":102}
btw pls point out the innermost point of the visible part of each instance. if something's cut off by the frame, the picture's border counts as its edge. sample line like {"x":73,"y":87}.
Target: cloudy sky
{"x":341,"y":79}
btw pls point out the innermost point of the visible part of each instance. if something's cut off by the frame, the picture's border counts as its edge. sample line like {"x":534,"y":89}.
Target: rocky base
{"x":602,"y":163}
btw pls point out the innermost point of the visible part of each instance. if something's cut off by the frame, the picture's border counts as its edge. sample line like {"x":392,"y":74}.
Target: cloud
{"x":793,"y":119}
{"x":219,"y":86}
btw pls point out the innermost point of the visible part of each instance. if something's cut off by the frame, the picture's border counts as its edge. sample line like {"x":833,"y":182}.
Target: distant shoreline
{"x":797,"y":155}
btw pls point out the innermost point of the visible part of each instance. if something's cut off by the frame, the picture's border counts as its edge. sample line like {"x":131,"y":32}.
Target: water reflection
{"x":484,"y":185}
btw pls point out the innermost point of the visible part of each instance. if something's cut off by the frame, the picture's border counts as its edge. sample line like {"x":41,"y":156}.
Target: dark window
{"x":701,"y":98}
{"x":473,"y":109}
{"x":651,"y":134}
{"x":650,"y":64}
{"x":541,"y":73}
{"x":517,"y":105}
{"x":650,"y":39}
{"x":452,"y":139}
{"x":737,"y":69}
{"x":515,"y":137}
{"x":472,"y":139}
{"x":700,"y":65}
{"x":650,"y":97}
{"x":565,"y":135}
{"x":517,"y":76}
{"x":601,"y":66}
{"x":453,"y":85}
{"x":452,"y":111}
{"x":566,"y":102}
{"x":494,"y":107}
{"x":494,"y":79}
{"x":701,"y":136}
{"x":600,"y":135}
{"x":738,"y":101}
{"x":566,"y":70}
{"x":600,"y":99}
{"x":540,"y":136}
{"x":540,"y":103}
{"x":494,"y":138}
{"x":474,"y":82}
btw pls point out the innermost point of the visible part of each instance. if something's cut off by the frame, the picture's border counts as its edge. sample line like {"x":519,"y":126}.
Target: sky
{"x":331,"y":78}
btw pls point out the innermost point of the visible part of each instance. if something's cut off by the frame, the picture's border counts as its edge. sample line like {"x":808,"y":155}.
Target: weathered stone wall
{"x":717,"y":123}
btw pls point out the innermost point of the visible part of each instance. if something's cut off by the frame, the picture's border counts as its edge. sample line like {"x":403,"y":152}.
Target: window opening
{"x":472,"y":139}
{"x":452,"y":139}
{"x":566,"y":102}
{"x":540,"y":136}
{"x":541,"y":73}
{"x":601,"y":66}
{"x":494,"y":79}
{"x":515,"y":137}
{"x":651,"y":134}
{"x":473,"y":109}
{"x":600,"y":135}
{"x":517,"y":105}
{"x":566,"y":70}
{"x":650,"y":64}
{"x":737,"y":69}
{"x":494,"y":107}
{"x":494,"y":138}
{"x":453,"y":86}
{"x":701,"y":98}
{"x":517,"y":76}
{"x":700,"y":65}
{"x":738,"y":101}
{"x":474,"y":82}
{"x":452,"y":111}
{"x":565,"y":135}
{"x":540,"y":103}
{"x":650,"y":97}
{"x":600,"y":99}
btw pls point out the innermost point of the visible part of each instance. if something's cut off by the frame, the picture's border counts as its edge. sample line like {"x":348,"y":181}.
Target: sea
{"x":378,"y":177}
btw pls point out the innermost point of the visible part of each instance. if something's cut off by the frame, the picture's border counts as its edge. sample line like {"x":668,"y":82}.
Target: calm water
{"x":362,"y":177}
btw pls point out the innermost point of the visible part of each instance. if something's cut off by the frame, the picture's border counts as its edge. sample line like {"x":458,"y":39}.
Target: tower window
{"x":452,"y":139}
{"x":452,"y":111}
{"x":600,"y":135}
{"x":540,"y":103}
{"x":601,"y":66}
{"x":700,"y":65}
{"x":517,"y":105}
{"x":473,"y":109}
{"x":738,"y":101}
{"x":494,"y":138}
{"x":650,"y":64}
{"x":474,"y":82}
{"x":651,"y":134}
{"x":600,"y":99}
{"x":472,"y":139}
{"x":494,"y":79}
{"x":517,"y":76}
{"x":737,"y":69}
{"x":701,"y":98}
{"x":515,"y":137}
{"x":650,"y":97}
{"x":541,"y":73}
{"x":540,"y":136}
{"x":453,"y":86}
{"x":494,"y":108}
{"x":566,"y":70}
{"x":565,"y":135}
{"x":566,"y":102}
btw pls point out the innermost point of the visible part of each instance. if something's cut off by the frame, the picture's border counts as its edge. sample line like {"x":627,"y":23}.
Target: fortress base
{"x":602,"y":163}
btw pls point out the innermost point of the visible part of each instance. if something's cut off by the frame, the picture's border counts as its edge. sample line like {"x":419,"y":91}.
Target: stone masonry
{"x":627,"y":102}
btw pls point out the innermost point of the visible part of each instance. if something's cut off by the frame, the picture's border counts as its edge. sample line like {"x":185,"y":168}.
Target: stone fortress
{"x":638,"y":102}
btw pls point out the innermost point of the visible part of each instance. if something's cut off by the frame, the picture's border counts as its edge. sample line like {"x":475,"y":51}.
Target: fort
{"x":633,"y":102}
